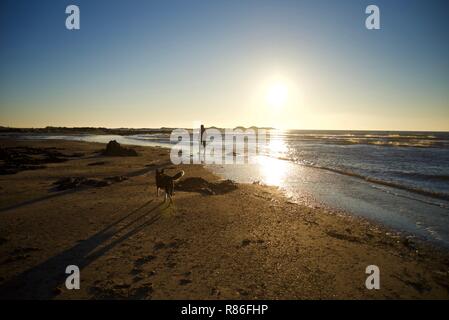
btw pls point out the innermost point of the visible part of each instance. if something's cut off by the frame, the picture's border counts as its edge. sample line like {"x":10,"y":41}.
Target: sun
{"x":277,"y":95}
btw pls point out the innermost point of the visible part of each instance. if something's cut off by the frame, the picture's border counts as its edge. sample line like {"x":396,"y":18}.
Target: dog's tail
{"x":178,"y":175}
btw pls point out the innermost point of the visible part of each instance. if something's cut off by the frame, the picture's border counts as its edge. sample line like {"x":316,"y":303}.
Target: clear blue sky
{"x":169,"y":63}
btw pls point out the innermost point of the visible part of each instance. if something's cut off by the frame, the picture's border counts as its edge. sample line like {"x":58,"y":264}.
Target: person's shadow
{"x":42,"y":281}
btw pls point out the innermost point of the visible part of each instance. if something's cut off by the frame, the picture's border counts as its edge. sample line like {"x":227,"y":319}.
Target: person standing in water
{"x":203,"y":141}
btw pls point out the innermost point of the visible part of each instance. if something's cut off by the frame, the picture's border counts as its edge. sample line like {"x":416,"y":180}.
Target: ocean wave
{"x":416,"y":143}
{"x":421,"y":176}
{"x":411,"y":196}
{"x":397,"y":185}
{"x":417,"y":140}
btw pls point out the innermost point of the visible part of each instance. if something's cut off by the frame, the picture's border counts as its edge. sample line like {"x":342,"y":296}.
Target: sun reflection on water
{"x":276,"y":146}
{"x":272,"y":168}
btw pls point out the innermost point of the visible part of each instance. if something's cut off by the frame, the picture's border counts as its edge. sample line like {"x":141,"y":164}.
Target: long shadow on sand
{"x":62,"y":193}
{"x":42,"y":281}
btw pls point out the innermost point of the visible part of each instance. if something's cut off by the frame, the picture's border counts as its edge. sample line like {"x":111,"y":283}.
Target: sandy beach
{"x":219,"y":240}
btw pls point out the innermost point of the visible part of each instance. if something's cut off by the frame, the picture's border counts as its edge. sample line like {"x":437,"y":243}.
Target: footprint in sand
{"x":158,"y":246}
{"x":143,"y":292}
{"x":174,"y":244}
{"x":247,"y":242}
{"x":141,"y":261}
{"x":184,"y":282}
{"x":19,"y":254}
{"x":170,"y":265}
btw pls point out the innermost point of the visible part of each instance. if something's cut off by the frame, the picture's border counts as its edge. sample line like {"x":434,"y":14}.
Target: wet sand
{"x":218,"y":240}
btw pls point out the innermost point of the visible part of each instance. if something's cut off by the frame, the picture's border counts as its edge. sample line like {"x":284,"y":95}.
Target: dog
{"x":167,"y":183}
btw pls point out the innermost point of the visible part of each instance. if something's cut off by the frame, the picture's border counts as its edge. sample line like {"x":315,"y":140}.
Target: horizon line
{"x":238,"y":126}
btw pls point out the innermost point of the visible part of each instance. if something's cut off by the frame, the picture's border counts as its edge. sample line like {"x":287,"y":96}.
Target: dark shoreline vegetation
{"x":80,"y":130}
{"x":102,"y":130}
{"x":20,"y":158}
{"x":16,"y":159}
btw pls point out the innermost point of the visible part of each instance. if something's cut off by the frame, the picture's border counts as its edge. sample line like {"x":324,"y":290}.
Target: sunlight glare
{"x":277,"y":95}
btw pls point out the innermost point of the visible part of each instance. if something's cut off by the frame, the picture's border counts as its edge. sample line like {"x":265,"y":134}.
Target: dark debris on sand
{"x":114,"y":149}
{"x":16,"y":159}
{"x":97,"y":163}
{"x":200,"y":185}
{"x":116,"y":290}
{"x":78,"y":182}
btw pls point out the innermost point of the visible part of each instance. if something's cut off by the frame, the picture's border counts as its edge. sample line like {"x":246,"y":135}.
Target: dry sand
{"x":215,"y":242}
